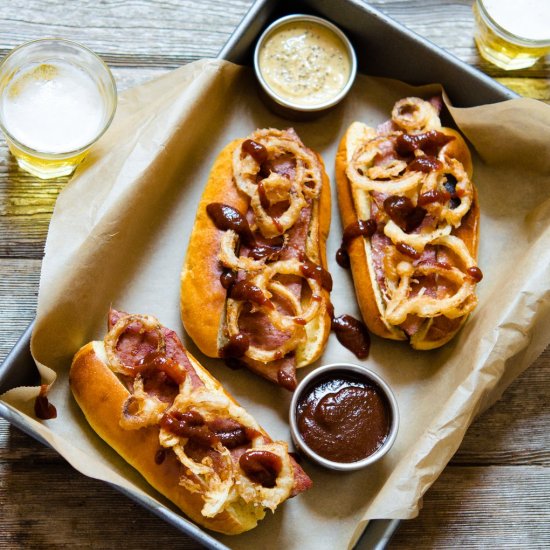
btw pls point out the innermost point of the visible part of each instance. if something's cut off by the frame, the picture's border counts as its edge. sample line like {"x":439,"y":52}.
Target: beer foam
{"x":53,"y":107}
{"x":525,"y":18}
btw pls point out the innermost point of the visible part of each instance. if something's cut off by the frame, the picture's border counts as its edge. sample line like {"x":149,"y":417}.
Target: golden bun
{"x":103,"y":398}
{"x":357,"y":203}
{"x":357,"y":252}
{"x":203,"y":299}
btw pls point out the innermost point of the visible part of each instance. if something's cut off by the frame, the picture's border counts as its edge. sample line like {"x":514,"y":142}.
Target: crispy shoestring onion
{"x":305,"y":182}
{"x":377,"y":170}
{"x":229,"y":258}
{"x":412,"y":114}
{"x":392,"y":170}
{"x":457,"y":305}
{"x":269,"y":496}
{"x":217,"y":476}
{"x":435,"y":181}
{"x":458,"y":247}
{"x":266,"y":281}
{"x":393,"y":180}
{"x":283,"y":223}
{"x":213,"y":472}
{"x":295,"y":336}
{"x":292,"y":324}
{"x":418,"y":241}
{"x":299,"y":182}
{"x":141,"y":409}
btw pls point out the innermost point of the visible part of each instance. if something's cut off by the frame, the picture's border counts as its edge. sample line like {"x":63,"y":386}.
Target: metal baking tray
{"x":384,"y":48}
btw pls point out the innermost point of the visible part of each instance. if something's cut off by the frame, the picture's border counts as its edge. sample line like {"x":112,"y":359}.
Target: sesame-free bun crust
{"x":101,"y":396}
{"x":368,"y":296}
{"x":318,"y":332}
{"x":364,"y":279}
{"x":202,"y":297}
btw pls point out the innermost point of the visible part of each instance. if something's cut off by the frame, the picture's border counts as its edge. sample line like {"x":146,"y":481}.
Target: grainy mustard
{"x":305,"y":63}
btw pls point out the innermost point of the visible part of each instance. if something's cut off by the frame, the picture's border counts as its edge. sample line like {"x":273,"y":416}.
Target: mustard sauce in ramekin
{"x":305,"y":63}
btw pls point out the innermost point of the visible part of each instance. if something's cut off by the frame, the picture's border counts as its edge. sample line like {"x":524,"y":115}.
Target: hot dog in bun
{"x":254,"y":286}
{"x":410,"y":215}
{"x":171,"y":420}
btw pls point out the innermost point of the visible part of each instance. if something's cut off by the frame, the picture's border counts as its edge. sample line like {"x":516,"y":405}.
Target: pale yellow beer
{"x":512,"y":34}
{"x":56,"y":99}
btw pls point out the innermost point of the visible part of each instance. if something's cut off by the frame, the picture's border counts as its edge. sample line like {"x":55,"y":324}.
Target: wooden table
{"x":495,"y":492}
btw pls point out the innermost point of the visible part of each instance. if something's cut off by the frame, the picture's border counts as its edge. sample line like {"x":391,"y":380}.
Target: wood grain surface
{"x":495,"y":491}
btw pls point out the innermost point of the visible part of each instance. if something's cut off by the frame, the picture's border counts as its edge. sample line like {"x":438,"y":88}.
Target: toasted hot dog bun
{"x":203,"y":297}
{"x":110,"y":408}
{"x":362,"y":168}
{"x":205,"y":304}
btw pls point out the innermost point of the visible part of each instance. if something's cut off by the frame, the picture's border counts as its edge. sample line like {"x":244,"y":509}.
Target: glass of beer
{"x":512,"y":34}
{"x":57,"y":98}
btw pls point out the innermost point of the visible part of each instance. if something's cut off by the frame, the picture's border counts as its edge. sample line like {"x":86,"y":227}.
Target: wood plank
{"x":26,"y":208}
{"x":482,"y":508}
{"x":18,"y":295}
{"x":515,"y":430}
{"x":87,"y":512}
{"x":127,"y":33}
{"x":161,"y":34}
{"x":27,"y":204}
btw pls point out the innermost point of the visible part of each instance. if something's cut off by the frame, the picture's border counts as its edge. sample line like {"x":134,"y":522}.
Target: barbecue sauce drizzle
{"x":262,"y":467}
{"x":43,"y":409}
{"x":360,"y":228}
{"x":352,"y":333}
{"x":226,"y":217}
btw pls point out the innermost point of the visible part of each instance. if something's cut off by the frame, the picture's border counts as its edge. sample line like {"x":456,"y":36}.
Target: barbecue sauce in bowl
{"x":344,"y":417}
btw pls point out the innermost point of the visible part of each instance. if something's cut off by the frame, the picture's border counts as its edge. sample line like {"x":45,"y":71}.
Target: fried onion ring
{"x":141,"y":409}
{"x":401,"y":304}
{"x":458,"y":247}
{"x":395,"y":182}
{"x":273,"y":227}
{"x":228,"y":256}
{"x":295,"y":336}
{"x":265,"y":281}
{"x":418,"y":241}
{"x":292,"y":325}
{"x":436,"y":181}
{"x":214,"y":479}
{"x":269,"y":497}
{"x":277,"y":143}
{"x":392,"y":169}
{"x":413,"y":114}
{"x":311,"y":177}
{"x":305,"y":183}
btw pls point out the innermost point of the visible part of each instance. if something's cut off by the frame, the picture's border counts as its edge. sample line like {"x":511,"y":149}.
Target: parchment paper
{"x":119,"y":234}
